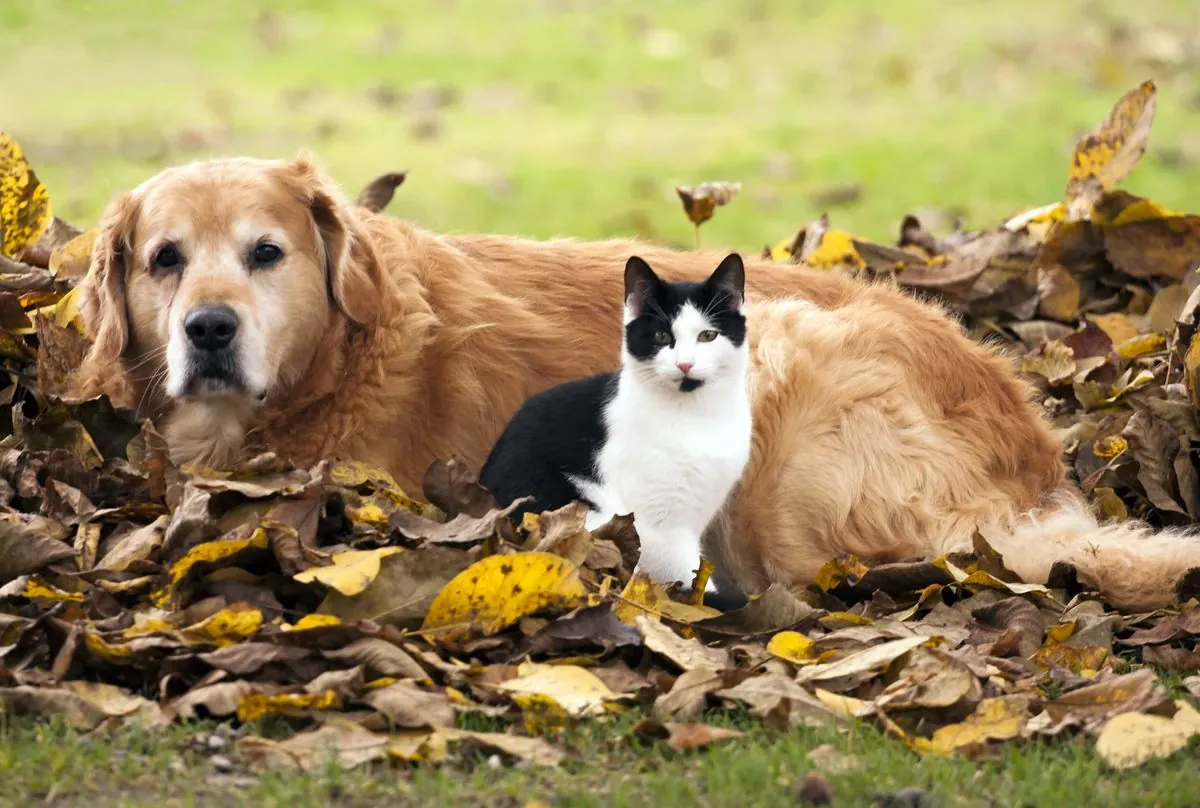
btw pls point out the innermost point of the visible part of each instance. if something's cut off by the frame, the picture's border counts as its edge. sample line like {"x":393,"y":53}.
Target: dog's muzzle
{"x":210,"y":332}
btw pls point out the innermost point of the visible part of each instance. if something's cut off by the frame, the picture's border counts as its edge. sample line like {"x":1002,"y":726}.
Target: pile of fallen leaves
{"x":369,"y":621}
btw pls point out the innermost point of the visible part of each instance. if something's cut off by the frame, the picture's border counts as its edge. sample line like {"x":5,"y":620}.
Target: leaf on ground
{"x":850,"y":671}
{"x":350,"y":572}
{"x":535,"y":750}
{"x":576,"y":690}
{"x":498,"y":590}
{"x":462,"y":529}
{"x":247,"y":658}
{"x":774,"y":610}
{"x":217,"y":700}
{"x":1132,"y":739}
{"x":25,"y":549}
{"x":684,"y":736}
{"x":404,"y":588}
{"x":794,"y":647}
{"x":688,"y":695}
{"x":592,"y":626}
{"x":454,"y":488}
{"x":1093,"y":705}
{"x":687,"y":654}
{"x":995,"y":719}
{"x":379,"y":657}
{"x":408,"y":706}
{"x":772,"y":694}
{"x":84,"y":705}
{"x":342,"y":741}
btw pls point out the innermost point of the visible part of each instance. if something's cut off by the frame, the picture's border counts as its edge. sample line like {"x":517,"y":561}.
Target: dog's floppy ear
{"x":102,"y":291}
{"x":352,"y":266}
{"x":102,"y":306}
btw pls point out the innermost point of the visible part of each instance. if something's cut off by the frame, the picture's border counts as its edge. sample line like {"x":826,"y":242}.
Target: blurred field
{"x":579,"y":116}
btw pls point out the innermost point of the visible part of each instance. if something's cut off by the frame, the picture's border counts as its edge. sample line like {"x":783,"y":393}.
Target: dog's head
{"x":219,"y":279}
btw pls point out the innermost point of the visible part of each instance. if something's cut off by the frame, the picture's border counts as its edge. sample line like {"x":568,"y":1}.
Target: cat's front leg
{"x":670,"y":554}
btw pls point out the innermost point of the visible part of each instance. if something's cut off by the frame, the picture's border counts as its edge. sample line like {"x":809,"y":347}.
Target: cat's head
{"x":682,"y":335}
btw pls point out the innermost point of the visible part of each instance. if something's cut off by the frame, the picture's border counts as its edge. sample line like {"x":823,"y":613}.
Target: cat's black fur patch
{"x":556,"y":433}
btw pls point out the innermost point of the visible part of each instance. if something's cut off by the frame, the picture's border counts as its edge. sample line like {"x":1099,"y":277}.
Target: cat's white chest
{"x":673,"y":465}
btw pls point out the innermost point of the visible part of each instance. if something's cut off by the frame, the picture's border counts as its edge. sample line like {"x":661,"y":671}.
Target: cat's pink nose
{"x":684,"y":366}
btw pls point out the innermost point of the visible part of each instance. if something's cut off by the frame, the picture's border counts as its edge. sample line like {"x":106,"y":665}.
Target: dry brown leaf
{"x":344,"y":741}
{"x":410,"y":707}
{"x":684,"y":736}
{"x":688,"y":654}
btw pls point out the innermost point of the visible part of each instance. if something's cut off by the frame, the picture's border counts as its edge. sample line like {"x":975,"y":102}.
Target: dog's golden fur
{"x":880,"y":428}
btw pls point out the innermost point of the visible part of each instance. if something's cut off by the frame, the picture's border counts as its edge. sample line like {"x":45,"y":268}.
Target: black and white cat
{"x":665,"y":439}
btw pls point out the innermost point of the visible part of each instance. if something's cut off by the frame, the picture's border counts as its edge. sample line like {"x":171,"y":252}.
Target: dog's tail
{"x":1134,"y":566}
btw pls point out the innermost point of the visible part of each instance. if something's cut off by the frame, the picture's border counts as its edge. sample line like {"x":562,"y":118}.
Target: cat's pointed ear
{"x":641,"y":284}
{"x":729,"y":279}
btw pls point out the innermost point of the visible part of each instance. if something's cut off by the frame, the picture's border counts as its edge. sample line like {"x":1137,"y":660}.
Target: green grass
{"x":47,"y":762}
{"x":579,"y":116}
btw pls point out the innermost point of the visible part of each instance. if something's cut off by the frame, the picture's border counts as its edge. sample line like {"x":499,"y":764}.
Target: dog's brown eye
{"x":265,"y":255}
{"x":167,"y":259}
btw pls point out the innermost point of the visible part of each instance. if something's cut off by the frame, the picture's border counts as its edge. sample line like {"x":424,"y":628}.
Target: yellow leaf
{"x":71,"y":260}
{"x":1106,"y":155}
{"x":143,"y":625}
{"x":1108,"y":505}
{"x":1073,"y":659}
{"x":837,"y":570}
{"x":686,"y":612}
{"x":24,"y":203}
{"x":843,"y":706}
{"x":66,"y":312}
{"x":794,"y":647}
{"x":254,"y":706}
{"x":211,"y":552}
{"x":1045,"y":214}
{"x":1109,"y":447}
{"x":783,"y":250}
{"x":578,"y":691}
{"x":835,"y":620}
{"x":1130,"y":739}
{"x":227,"y":626}
{"x":835,"y":250}
{"x":106,"y":650}
{"x":36,"y":589}
{"x":1118,"y":327}
{"x":996,"y":719}
{"x":700,"y":583}
{"x":541,"y":714}
{"x":498,"y":590}
{"x":312,"y":621}
{"x":1060,"y":632}
{"x":351,"y":572}
{"x":1141,"y":345}
{"x":1140,"y":210}
{"x":640,"y":596}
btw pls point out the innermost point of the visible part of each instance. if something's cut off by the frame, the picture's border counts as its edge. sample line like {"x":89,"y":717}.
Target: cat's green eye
{"x":706,"y":336}
{"x":662,"y":337}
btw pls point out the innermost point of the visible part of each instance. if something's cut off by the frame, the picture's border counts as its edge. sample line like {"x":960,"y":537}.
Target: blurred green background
{"x":578,"y":117}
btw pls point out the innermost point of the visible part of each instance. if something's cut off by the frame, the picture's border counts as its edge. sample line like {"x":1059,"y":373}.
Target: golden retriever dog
{"x":246,"y":304}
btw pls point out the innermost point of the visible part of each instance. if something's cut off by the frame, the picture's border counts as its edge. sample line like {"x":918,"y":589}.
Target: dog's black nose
{"x":211,"y":328}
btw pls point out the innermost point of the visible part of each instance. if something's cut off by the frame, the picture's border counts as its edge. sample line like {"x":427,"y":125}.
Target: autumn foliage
{"x":374,"y":618}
